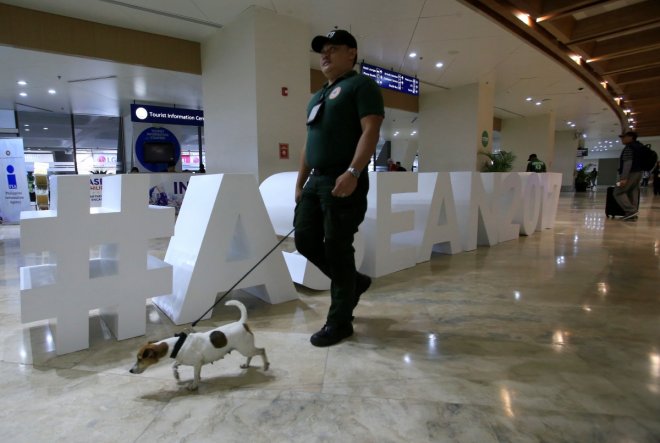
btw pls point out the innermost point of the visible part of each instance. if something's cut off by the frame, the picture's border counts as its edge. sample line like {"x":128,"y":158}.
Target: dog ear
{"x":148,"y":353}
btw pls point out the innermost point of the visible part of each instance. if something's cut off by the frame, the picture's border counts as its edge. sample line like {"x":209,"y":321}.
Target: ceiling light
{"x":22,"y":82}
{"x":26,"y":125}
{"x":569,"y":123}
{"x":23,"y":94}
{"x":604,"y":84}
{"x":573,"y":125}
{"x":412,"y":54}
{"x":529,"y":99}
{"x":439,"y":65}
{"x":413,"y":133}
{"x":45,"y":129}
{"x":538,"y":103}
{"x":27,"y":129}
{"x":52,"y":91}
{"x":576,"y":58}
{"x":626,"y":111}
{"x":525,"y":18}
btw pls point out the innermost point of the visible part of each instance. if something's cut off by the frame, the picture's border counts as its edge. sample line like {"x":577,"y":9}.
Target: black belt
{"x":332,"y":172}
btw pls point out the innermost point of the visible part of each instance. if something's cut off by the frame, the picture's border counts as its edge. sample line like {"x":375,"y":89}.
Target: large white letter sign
{"x":551,"y":188}
{"x":388,"y":242}
{"x":528,"y":213}
{"x":278,"y":194}
{"x":474,"y":209}
{"x":442,"y":233}
{"x":222,"y":231}
{"x":120,"y":277}
{"x":508,"y":197}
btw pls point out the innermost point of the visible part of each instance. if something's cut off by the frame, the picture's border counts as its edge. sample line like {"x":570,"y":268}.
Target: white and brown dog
{"x":198,"y":348}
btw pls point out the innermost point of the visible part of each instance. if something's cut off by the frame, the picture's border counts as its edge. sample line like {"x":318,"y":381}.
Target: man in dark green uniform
{"x":343,"y":125}
{"x":534,"y":164}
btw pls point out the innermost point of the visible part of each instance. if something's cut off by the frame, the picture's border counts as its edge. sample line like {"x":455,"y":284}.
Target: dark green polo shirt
{"x":333,"y":137}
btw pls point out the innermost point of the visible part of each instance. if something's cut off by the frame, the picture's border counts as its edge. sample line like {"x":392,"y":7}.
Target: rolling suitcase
{"x":612,"y":208}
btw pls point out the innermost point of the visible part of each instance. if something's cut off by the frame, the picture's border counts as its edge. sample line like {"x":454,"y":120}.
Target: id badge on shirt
{"x":315,"y":112}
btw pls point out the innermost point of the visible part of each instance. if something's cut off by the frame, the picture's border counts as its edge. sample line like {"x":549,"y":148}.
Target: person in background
{"x":655,"y":172}
{"x":593,"y":176}
{"x":534,"y":164}
{"x":630,"y":174}
{"x":343,"y":124}
{"x":390,"y":165}
{"x":202,"y":169}
{"x":399,"y":167}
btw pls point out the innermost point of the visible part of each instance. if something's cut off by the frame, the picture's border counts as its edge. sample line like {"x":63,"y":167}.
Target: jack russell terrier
{"x":198,"y":348}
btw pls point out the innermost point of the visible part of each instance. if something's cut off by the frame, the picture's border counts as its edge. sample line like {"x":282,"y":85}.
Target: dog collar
{"x":177,"y":346}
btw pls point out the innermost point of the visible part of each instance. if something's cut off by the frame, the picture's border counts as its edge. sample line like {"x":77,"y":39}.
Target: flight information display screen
{"x":391,"y":80}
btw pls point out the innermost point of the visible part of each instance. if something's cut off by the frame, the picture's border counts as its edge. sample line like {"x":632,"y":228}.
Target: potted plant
{"x":500,"y":161}
{"x":582,"y":180}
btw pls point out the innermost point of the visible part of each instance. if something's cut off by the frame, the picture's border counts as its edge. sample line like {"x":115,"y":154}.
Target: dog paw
{"x":192,"y":387}
{"x":266,"y":366}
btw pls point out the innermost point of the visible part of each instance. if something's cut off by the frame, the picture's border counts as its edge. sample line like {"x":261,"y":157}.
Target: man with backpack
{"x":630,"y":174}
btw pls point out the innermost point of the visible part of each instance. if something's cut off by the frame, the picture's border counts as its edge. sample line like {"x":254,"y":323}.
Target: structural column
{"x":255,"y":85}
{"x":530,"y":135}
{"x":454,"y":125}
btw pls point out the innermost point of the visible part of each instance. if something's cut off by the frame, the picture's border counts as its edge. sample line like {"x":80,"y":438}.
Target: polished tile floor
{"x":549,"y":338}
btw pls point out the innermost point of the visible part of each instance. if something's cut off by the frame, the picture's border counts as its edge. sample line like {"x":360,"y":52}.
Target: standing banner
{"x":14,"y":196}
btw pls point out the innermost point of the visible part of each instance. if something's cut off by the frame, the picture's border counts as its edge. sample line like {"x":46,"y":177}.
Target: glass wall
{"x":97,"y":139}
{"x":47,"y":137}
{"x":88,"y":144}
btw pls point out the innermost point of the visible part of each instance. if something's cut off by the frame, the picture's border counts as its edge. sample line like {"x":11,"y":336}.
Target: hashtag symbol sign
{"x":94,"y":258}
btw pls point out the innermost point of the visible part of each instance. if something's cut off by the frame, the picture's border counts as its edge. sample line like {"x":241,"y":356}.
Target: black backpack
{"x":647,"y":157}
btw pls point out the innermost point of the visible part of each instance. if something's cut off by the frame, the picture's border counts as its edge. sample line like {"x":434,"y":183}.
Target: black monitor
{"x":158,"y":152}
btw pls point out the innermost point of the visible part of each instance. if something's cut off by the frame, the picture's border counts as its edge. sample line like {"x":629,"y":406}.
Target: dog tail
{"x":241,"y":307}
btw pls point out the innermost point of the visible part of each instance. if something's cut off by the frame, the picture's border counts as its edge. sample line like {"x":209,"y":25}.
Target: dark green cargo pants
{"x":325,"y":226}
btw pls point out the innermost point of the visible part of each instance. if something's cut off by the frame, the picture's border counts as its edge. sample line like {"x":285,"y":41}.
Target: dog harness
{"x":177,"y":346}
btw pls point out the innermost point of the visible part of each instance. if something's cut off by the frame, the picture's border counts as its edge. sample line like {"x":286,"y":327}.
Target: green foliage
{"x":501,"y":161}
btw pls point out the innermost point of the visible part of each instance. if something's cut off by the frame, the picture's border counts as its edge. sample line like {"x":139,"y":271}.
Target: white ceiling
{"x":470,"y":46}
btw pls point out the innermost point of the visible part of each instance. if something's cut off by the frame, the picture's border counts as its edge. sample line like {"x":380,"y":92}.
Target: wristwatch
{"x":354,"y":172}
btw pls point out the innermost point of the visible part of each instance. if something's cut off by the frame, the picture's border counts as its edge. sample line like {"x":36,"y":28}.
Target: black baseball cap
{"x":336,"y":37}
{"x":632,"y":134}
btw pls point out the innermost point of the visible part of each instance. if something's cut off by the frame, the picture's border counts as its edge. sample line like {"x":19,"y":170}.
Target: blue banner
{"x":14,"y":196}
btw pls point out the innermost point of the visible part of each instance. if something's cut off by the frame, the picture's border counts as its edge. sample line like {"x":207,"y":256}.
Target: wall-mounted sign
{"x":164,"y":115}
{"x":391,"y":80}
{"x":157,"y":149}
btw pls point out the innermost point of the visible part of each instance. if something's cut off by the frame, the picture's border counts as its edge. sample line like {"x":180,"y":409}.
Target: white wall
{"x":565,"y":151}
{"x":244,"y":67}
{"x":282,"y":52}
{"x":230,"y":98}
{"x":445,"y":120}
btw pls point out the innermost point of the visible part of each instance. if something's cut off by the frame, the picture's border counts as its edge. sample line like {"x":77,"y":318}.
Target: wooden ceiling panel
{"x":632,"y":62}
{"x":640,"y":76}
{"x":624,"y":45}
{"x":619,"y":20}
{"x":651,"y":87}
